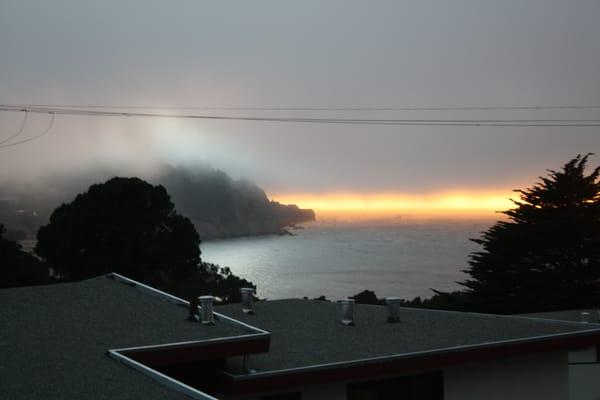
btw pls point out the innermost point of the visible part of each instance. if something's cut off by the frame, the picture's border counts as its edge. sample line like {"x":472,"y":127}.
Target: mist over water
{"x":340,"y":259}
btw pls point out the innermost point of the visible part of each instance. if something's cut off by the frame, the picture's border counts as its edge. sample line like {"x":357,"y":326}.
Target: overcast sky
{"x":304,"y":53}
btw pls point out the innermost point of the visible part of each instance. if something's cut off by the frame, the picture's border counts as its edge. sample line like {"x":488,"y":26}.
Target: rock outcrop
{"x":219,"y":206}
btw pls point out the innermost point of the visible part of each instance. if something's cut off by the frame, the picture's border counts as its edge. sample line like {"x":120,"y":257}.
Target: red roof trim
{"x":161,"y":356}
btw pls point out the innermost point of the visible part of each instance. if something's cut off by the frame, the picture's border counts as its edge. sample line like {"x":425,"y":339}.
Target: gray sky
{"x":304,"y":53}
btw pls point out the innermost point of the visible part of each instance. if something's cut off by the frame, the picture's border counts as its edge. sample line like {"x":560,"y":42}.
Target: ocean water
{"x":338,"y":259}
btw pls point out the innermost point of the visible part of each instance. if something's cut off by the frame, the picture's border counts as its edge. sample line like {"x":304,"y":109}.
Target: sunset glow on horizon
{"x":382,"y":204}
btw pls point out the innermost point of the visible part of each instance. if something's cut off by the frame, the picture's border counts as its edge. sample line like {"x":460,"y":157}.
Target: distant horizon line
{"x":359,"y":206}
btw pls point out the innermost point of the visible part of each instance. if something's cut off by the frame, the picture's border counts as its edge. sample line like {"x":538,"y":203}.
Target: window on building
{"x":413,"y":387}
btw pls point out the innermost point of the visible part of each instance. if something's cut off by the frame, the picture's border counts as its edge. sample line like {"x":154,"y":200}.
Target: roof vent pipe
{"x":393,"y":309}
{"x":347,"y":312}
{"x":247,"y":295}
{"x":206,"y":310}
{"x":585,"y":316}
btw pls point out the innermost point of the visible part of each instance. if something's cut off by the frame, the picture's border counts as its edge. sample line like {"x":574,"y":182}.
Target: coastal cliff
{"x":219,"y":206}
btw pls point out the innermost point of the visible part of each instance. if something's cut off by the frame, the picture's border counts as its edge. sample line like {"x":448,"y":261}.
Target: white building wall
{"x":540,"y":376}
{"x":584,"y":374}
{"x":584,"y":382}
{"x":584,"y":355}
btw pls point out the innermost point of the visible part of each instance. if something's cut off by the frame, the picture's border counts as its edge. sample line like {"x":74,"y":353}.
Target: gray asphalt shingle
{"x":568,"y":315}
{"x":307,"y":332}
{"x":54,"y":339}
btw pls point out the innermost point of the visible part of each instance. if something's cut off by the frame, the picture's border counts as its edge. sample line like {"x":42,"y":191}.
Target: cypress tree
{"x":546,"y":254}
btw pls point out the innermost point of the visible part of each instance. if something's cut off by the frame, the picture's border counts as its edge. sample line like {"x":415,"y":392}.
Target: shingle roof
{"x":307,"y":333}
{"x":54,"y":339}
{"x":567,"y":315}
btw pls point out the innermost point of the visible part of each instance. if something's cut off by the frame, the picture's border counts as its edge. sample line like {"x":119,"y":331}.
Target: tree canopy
{"x":129,"y":226}
{"x":18,"y":268}
{"x":546,"y":255}
{"x":124,"y":225}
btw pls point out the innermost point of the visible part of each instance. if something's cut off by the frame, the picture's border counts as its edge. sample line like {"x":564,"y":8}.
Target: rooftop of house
{"x":593,"y":315}
{"x":309,"y":333}
{"x":55,"y":339}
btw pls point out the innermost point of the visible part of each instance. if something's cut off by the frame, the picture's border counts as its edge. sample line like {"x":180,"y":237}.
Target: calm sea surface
{"x":402,"y":258}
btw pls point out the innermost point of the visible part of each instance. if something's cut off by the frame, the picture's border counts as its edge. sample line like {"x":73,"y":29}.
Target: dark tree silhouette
{"x":368,"y":297}
{"x":208,"y":279}
{"x":18,"y":268}
{"x":125,"y":225}
{"x":130,"y":227}
{"x":546,"y":256}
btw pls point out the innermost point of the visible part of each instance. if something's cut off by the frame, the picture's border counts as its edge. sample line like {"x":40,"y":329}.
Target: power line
{"x":44,"y":132}
{"x":307,"y":108}
{"x":347,"y":121}
{"x":21,"y":129}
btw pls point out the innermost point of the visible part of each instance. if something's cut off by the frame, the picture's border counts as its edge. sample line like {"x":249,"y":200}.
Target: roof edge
{"x":593,"y":334}
{"x":161,"y":378}
{"x":180,"y":301}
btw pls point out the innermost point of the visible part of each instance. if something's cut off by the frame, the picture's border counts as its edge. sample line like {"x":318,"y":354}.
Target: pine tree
{"x":546,"y":255}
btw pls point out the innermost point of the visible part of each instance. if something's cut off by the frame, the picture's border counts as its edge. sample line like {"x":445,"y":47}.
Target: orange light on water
{"x":450,"y":203}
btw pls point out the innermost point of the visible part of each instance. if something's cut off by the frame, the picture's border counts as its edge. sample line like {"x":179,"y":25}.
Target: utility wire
{"x":18,"y":132}
{"x":347,"y":121}
{"x":450,"y":108}
{"x":44,"y":132}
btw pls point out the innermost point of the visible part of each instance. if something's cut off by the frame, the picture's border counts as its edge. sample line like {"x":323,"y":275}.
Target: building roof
{"x":567,"y":315}
{"x":307,"y":332}
{"x":55,"y":339}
